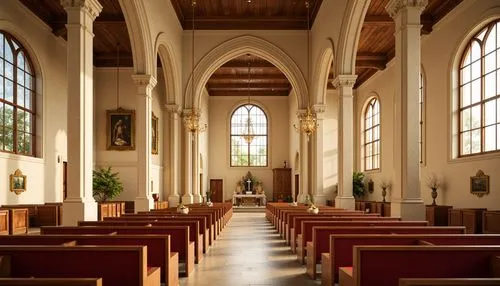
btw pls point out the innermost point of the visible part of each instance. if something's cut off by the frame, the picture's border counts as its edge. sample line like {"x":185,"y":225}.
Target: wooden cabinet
{"x":282,"y":185}
{"x":437,"y":215}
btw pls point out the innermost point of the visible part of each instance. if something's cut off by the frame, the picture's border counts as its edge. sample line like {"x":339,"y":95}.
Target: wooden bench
{"x":50,"y":282}
{"x":116,"y":265}
{"x":419,"y":262}
{"x":18,"y":221}
{"x":491,"y":222}
{"x":320,"y":242}
{"x":308,"y":234}
{"x":158,"y":248}
{"x":341,"y":247}
{"x":449,"y":282}
{"x":194,"y":233}
{"x":179,"y":237}
{"x":4,"y":222}
{"x":38,"y":214}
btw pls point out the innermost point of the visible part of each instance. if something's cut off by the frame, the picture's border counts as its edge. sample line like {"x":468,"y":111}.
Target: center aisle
{"x":249,"y":251}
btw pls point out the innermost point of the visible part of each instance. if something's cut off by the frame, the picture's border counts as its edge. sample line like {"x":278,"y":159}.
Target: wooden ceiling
{"x":375,"y":50}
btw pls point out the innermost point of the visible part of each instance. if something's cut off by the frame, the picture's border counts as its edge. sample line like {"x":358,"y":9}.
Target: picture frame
{"x":17,"y":182}
{"x":154,"y":134}
{"x":120,"y":129}
{"x":480,"y":184}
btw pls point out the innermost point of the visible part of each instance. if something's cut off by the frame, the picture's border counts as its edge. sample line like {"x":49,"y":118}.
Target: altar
{"x":250,"y":199}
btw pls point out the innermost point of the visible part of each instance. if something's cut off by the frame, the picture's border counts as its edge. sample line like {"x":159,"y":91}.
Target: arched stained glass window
{"x":17,"y":98}
{"x":479,"y":101}
{"x":249,"y":138}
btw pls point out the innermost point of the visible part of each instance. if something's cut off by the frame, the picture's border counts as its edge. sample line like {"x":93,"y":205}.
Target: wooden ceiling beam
{"x":245,"y":94}
{"x":426,"y":20}
{"x":253,"y":77}
{"x":228,"y":87}
{"x":241,"y":23}
{"x":378,"y":65}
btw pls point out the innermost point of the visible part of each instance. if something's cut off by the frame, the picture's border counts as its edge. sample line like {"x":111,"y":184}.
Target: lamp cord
{"x":193,"y":4}
{"x":117,"y":75}
{"x":308,"y":57}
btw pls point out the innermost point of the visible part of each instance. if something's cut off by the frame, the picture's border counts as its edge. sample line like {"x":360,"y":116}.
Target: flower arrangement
{"x":433,"y":182}
{"x":181,"y":208}
{"x":313,"y":209}
{"x":385,"y":184}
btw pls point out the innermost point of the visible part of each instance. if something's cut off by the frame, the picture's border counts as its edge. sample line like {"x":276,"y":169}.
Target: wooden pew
{"x":418,"y":262}
{"x":296,"y":226}
{"x":18,"y":221}
{"x":116,"y":265}
{"x":4,"y":222}
{"x":204,"y":231}
{"x":449,"y":281}
{"x":158,"y":248}
{"x":50,"y":282}
{"x":491,"y":222}
{"x":341,"y":247}
{"x":194,"y":233}
{"x":179,"y":237}
{"x":308,"y":234}
{"x":320,"y":243}
{"x":471,"y":218}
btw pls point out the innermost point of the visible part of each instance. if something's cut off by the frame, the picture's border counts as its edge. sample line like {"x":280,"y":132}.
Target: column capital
{"x":92,"y":7}
{"x":319,"y":108}
{"x":172,"y":108}
{"x":144,"y":80}
{"x":395,"y":6}
{"x":344,"y":80}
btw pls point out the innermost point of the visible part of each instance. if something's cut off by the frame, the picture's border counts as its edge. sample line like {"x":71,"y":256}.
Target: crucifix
{"x":249,"y":182}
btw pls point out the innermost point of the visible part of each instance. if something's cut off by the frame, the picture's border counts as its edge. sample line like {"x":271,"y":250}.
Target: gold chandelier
{"x":248,"y":134}
{"x":192,"y":119}
{"x":308,"y":122}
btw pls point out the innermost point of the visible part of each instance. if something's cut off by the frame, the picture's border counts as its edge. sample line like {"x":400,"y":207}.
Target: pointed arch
{"x":320,"y":79}
{"x":238,"y":47}
{"x":350,"y":31}
{"x":140,"y":36}
{"x":170,"y":70}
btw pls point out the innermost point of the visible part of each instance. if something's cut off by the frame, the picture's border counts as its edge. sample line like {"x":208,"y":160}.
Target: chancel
{"x":197,"y":131}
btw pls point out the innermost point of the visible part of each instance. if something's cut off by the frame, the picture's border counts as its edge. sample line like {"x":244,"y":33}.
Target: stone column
{"x":80,"y":204}
{"x":316,"y":174}
{"x":304,"y":163}
{"x":187,"y":197}
{"x":172,"y":154}
{"x":197,"y":198}
{"x":407,"y":201}
{"x":145,"y":83}
{"x":345,"y":83}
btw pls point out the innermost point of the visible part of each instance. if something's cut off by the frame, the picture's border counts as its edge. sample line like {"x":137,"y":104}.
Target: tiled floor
{"x":249,"y":252}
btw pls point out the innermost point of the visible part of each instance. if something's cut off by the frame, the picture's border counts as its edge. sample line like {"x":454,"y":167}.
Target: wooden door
{"x":216,"y":191}
{"x":297,"y":186}
{"x":65,"y":180}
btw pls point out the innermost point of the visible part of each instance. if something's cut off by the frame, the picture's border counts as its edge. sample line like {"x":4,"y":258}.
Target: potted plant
{"x":385,"y":185}
{"x":105,"y":184}
{"x":358,"y":187}
{"x":433,"y":183}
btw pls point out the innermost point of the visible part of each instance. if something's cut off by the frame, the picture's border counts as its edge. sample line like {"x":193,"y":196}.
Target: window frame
{"x":486,"y":29}
{"x":10,"y":40}
{"x":370,"y":105}
{"x":231,"y":135}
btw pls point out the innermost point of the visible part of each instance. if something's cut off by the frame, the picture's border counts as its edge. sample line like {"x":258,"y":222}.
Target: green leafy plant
{"x":358,"y":187}
{"x":105,"y":184}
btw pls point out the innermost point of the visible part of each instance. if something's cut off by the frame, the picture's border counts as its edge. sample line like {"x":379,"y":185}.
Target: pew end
{"x":449,"y":282}
{"x":50,"y":282}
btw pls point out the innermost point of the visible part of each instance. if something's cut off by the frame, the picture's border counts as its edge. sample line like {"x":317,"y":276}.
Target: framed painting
{"x":120,"y":129}
{"x":154,"y":134}
{"x":480,"y":184}
{"x":17,"y":182}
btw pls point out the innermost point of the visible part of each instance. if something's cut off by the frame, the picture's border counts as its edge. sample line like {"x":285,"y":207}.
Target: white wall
{"x":330,"y":145}
{"x":221,"y":108}
{"x":439,"y":50}
{"x":124,"y":162}
{"x":44,"y":174}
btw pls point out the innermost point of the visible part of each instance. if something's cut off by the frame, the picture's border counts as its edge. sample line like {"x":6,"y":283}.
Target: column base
{"x":187,"y":199}
{"x":78,"y":210}
{"x":143,"y":204}
{"x":319,"y":200}
{"x":197,"y":199}
{"x":347,"y":203}
{"x":173,"y":200}
{"x":409,"y":209}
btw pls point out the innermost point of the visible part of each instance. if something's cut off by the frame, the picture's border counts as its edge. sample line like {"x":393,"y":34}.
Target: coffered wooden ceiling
{"x":375,"y":50}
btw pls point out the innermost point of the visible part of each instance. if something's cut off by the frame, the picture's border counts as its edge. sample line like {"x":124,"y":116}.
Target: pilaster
{"x":345,"y":84}
{"x":80,"y":204}
{"x":407,"y":201}
{"x":145,"y":84}
{"x":319,"y":197}
{"x":171,"y":146}
{"x":304,"y":163}
{"x":187,"y":197}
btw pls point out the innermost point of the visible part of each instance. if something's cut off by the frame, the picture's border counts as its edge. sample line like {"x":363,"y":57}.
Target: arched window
{"x":248,"y":137}
{"x":17,"y":98}
{"x":479,"y":100}
{"x":371,"y":135}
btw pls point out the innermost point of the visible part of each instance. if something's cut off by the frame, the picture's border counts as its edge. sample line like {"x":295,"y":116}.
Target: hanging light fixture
{"x":248,"y":134}
{"x":308,"y":122}
{"x":192,"y":119}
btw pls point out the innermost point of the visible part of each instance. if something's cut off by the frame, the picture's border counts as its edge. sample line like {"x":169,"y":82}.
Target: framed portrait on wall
{"x":480,"y":184}
{"x":120,"y":129}
{"x":17,"y":182}
{"x":154,"y":134}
